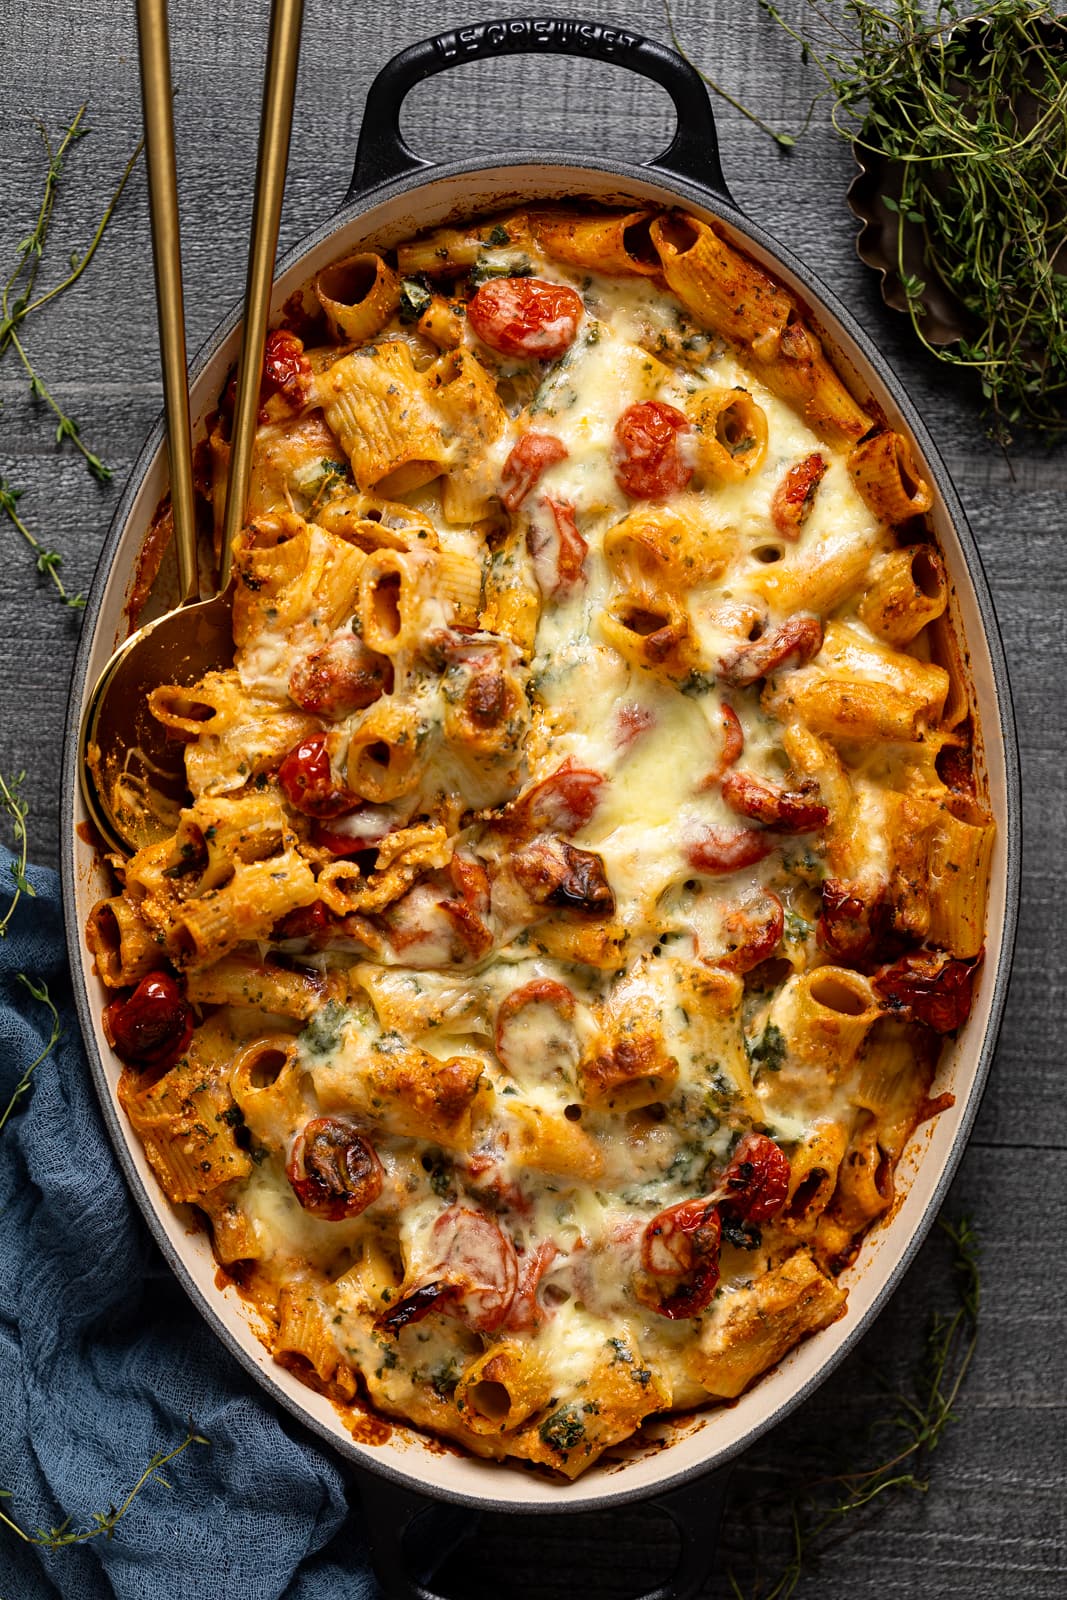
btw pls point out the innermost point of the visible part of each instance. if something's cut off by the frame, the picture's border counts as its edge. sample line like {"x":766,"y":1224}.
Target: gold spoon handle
{"x":279,"y":90}
{"x":157,"y":97}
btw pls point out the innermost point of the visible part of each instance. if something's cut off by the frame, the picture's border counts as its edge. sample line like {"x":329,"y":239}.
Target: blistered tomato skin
{"x":333,"y":1171}
{"x":307,"y":780}
{"x":153,"y":1027}
{"x":531,"y":456}
{"x":930,"y":986}
{"x":680,"y":1247}
{"x":525,"y":317}
{"x":474,"y":1276}
{"x":286,"y":369}
{"x":755,"y":1184}
{"x":650,"y":464}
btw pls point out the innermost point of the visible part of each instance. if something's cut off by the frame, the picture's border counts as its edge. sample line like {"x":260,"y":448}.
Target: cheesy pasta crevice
{"x":583,"y":859}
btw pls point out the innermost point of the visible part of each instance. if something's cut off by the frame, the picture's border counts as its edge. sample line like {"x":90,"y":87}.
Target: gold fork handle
{"x":279,"y":90}
{"x":157,"y":98}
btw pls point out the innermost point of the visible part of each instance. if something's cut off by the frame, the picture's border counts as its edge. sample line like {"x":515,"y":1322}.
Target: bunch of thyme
{"x":18,"y":301}
{"x":971,"y":108}
{"x":915,"y":1426}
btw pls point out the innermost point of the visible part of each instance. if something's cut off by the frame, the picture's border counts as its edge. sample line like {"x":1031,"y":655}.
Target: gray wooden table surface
{"x":993,"y":1522}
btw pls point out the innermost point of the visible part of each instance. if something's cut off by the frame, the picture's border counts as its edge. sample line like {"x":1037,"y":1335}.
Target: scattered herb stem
{"x":785,"y":141}
{"x":103,"y":1522}
{"x":917,"y":1425}
{"x":39,"y":992}
{"x":17,"y":809}
{"x":17,"y":302}
{"x":48,"y":561}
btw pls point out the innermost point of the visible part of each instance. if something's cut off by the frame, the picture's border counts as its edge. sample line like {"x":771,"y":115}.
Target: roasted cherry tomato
{"x":788,"y":810}
{"x":334,"y":1172}
{"x":473,"y":1274}
{"x":681,"y":1246}
{"x":850,"y":924}
{"x":307,"y":778}
{"x":525,"y":317}
{"x":154,"y":1025}
{"x":529,"y":458}
{"x":716,"y":849}
{"x":651,"y":465}
{"x":793,"y":644}
{"x":756,"y":1182}
{"x":930,"y":986}
{"x":631,"y":721}
{"x":557,"y":548}
{"x":795,"y":495}
{"x":555,"y":873}
{"x":560,"y":803}
{"x":753,"y":931}
{"x":286,"y":369}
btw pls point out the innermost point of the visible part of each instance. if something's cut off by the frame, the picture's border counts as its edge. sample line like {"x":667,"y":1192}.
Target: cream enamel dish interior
{"x":679,"y":1449}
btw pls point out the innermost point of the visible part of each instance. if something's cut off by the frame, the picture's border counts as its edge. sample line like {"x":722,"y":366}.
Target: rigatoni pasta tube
{"x":888,"y":478}
{"x":731,"y":433}
{"x":722,"y":288}
{"x":379,"y":408}
{"x":502,"y":1388}
{"x":906,"y":590}
{"x":616,"y":243}
{"x":358,"y":295}
{"x":757,"y":1326}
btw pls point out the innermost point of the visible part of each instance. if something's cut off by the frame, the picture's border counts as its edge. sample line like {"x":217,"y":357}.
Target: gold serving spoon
{"x":132,"y":774}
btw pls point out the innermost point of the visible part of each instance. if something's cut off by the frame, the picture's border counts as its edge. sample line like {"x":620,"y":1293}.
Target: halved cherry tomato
{"x":557,"y":548}
{"x":753,"y":931}
{"x":307,"y":779}
{"x":473,"y":1276}
{"x":850,"y":924}
{"x":795,"y":495}
{"x":333,"y":1171}
{"x":528,"y":459}
{"x":789,"y":810}
{"x":153,"y":1026}
{"x":631,"y":721}
{"x":560,"y":803}
{"x":651,"y":466}
{"x":681,"y":1244}
{"x":526,"y":1311}
{"x":756,"y":1182}
{"x":733,"y":742}
{"x":930,"y":986}
{"x":717,"y":849}
{"x":793,"y":644}
{"x":286,"y":369}
{"x":525,"y":317}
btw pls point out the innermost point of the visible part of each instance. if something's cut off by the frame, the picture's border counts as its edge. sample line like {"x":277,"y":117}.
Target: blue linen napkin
{"x":103,"y":1361}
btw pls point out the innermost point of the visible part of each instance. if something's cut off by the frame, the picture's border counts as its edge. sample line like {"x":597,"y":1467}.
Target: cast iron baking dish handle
{"x":382,"y":154}
{"x":390,"y":1511}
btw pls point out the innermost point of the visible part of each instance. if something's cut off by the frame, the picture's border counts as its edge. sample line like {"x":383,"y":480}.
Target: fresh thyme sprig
{"x":48,"y":561}
{"x":39,"y":992}
{"x":971,"y":109}
{"x":103,"y":1522}
{"x":917,"y":1426}
{"x":17,"y":302}
{"x":17,"y":809}
{"x":785,"y":141}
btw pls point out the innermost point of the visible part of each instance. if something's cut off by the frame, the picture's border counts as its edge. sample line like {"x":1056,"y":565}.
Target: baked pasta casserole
{"x":582,"y":860}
